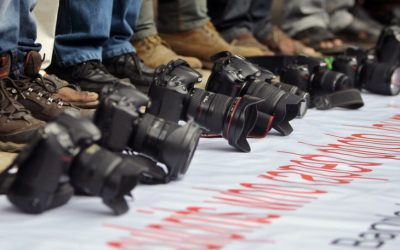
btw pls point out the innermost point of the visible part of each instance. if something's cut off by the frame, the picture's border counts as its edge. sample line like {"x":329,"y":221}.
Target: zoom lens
{"x":166,"y":142}
{"x":381,"y":78}
{"x":330,"y":81}
{"x":234,"y":118}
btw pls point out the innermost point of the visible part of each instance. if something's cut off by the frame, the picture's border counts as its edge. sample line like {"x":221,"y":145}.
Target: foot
{"x":248,"y":40}
{"x":154,"y":52}
{"x":71,"y":93}
{"x":283,"y":44}
{"x":132,"y":67}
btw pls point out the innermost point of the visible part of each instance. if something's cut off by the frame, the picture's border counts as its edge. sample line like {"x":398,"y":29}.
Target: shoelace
{"x":8,"y":105}
{"x":25,"y":86}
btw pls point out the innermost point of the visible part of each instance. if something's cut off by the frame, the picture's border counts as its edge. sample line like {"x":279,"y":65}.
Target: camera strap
{"x":349,"y":98}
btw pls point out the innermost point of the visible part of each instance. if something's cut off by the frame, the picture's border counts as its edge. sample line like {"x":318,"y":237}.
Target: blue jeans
{"x":17,"y":31}
{"x":94,"y":30}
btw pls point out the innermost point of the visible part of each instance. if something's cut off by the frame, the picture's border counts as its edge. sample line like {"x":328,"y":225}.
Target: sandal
{"x":314,"y":36}
{"x":71,"y":93}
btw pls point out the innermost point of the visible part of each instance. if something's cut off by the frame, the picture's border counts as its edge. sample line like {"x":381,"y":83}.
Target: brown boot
{"x":154,"y":52}
{"x":17,"y":126}
{"x":35,"y":93}
{"x":203,"y":43}
{"x":281,"y":43}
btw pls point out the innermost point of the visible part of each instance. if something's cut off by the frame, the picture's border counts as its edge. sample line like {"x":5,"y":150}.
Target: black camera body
{"x":124,"y":125}
{"x":63,"y":159}
{"x":175,"y":98}
{"x":365,"y":72}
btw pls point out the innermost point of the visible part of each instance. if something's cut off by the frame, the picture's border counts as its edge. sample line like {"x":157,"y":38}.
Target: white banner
{"x":332,"y":184}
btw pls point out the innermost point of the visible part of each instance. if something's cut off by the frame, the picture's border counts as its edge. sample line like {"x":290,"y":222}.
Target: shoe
{"x":36,"y":94}
{"x":132,"y":67}
{"x":281,"y":43}
{"x":248,"y":40}
{"x":89,"y":76}
{"x":17,"y":126}
{"x":71,"y":93}
{"x":204,"y":42}
{"x":155,"y":52}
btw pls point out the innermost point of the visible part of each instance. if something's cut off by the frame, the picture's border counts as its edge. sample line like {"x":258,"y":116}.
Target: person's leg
{"x":125,"y":14}
{"x":181,"y":15}
{"x":340,"y":17}
{"x":146,"y":25}
{"x":119,"y":55}
{"x":232,"y":18}
{"x":149,"y":45}
{"x":9,"y":33}
{"x":185,"y":25}
{"x":82,"y":28}
{"x":304,"y":14}
{"x":17,"y":126}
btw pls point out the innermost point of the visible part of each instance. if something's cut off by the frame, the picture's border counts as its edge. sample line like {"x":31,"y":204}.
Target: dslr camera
{"x":125,"y":125}
{"x":175,"y":98}
{"x":62,"y":160}
{"x":327,"y":88}
{"x":235,"y":76}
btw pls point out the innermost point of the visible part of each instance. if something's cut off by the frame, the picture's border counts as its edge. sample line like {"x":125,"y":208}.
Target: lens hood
{"x":241,"y":121}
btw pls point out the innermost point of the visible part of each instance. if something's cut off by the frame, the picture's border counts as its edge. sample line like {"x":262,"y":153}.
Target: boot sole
{"x":11,"y":147}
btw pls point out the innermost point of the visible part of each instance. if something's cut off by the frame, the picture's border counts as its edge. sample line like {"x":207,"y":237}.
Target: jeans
{"x":235,"y":17}
{"x":181,"y":15}
{"x":17,"y":31}
{"x":94,"y":30}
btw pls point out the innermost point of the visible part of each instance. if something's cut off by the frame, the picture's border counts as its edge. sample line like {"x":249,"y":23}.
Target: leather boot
{"x":35,"y":93}
{"x":155,"y":52}
{"x":17,"y":126}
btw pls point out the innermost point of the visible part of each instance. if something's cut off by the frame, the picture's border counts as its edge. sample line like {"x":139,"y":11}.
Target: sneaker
{"x":132,"y":67}
{"x":155,"y":52}
{"x":204,"y":42}
{"x":17,"y":126}
{"x":89,"y":76}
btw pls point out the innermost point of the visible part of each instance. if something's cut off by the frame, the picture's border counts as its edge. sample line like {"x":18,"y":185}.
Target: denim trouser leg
{"x":125,"y":14}
{"x":27,"y":31}
{"x":9,"y":30}
{"x":231,"y":17}
{"x":146,"y":25}
{"x":9,"y":25}
{"x":82,"y":28}
{"x":181,"y":15}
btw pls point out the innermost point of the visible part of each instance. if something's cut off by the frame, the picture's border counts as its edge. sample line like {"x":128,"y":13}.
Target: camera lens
{"x":166,"y":142}
{"x":330,"y":81}
{"x":283,"y":105}
{"x":234,"y":118}
{"x":305,"y":96}
{"x":381,"y":78}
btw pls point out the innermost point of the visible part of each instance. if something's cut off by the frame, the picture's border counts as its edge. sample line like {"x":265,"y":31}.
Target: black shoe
{"x":130,"y":66}
{"x":89,"y":75}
